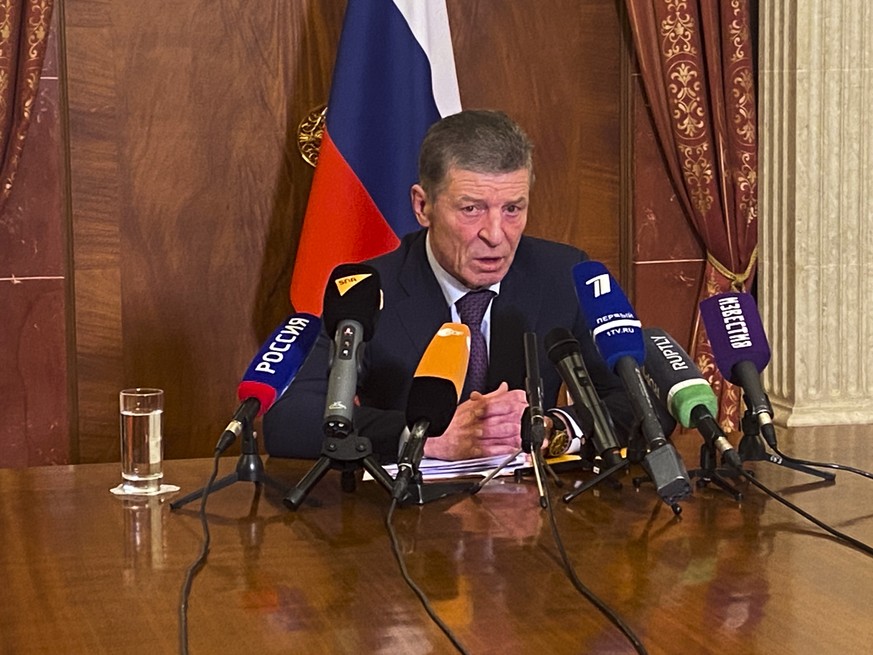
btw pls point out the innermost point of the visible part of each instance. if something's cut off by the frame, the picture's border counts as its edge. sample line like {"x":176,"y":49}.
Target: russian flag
{"x":394,"y":77}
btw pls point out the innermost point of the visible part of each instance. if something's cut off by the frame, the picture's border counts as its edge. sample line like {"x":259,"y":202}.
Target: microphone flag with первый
{"x":617,"y":332}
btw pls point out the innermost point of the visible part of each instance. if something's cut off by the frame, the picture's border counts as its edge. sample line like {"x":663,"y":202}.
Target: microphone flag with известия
{"x":741,"y":351}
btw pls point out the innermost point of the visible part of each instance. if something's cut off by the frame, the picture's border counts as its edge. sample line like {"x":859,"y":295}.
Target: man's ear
{"x":419,"y":204}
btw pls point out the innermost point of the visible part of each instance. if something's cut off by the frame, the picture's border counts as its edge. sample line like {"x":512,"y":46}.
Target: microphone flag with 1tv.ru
{"x":618,"y":335}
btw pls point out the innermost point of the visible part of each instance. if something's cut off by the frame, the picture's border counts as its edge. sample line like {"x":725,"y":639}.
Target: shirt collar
{"x":452,"y":289}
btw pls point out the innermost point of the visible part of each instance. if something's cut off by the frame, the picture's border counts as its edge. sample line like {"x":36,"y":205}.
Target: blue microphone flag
{"x":614,"y":326}
{"x":274,"y":367}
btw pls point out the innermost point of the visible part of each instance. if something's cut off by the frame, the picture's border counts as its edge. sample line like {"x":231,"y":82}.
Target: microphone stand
{"x":605,"y":474}
{"x":411,"y":490}
{"x":709,"y":472}
{"x":346,"y":453}
{"x":613,"y":466}
{"x":419,"y":493}
{"x":249,"y":468}
{"x":536,"y":465}
{"x":752,"y":449}
{"x":613,"y":462}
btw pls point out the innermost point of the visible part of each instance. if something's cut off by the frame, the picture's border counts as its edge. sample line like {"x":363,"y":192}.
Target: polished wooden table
{"x":86,"y":572}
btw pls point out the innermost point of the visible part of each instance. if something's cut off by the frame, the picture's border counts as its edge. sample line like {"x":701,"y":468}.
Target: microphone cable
{"x":199,"y":562}
{"x":827,"y":465}
{"x":860,"y":545}
{"x":589,"y":595}
{"x":425,"y":602}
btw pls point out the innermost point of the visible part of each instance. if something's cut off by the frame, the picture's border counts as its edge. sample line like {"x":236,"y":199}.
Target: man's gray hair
{"x":481,"y":141}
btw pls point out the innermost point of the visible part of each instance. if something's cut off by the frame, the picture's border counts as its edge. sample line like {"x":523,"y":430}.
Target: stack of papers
{"x":437,"y":469}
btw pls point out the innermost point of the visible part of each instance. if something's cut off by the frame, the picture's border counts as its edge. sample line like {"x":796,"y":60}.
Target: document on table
{"x":437,"y":469}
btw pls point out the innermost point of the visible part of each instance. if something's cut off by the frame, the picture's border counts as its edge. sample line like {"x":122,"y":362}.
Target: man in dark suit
{"x":475,"y":171}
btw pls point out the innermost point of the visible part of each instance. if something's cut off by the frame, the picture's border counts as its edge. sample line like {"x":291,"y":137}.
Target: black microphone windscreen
{"x":560,"y":343}
{"x":353,"y":293}
{"x":433,"y":399}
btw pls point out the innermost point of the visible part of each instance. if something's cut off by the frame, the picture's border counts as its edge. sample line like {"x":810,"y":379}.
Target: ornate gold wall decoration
{"x":309,"y":134}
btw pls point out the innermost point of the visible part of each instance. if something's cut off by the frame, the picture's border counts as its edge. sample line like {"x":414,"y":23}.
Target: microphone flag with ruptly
{"x":675,"y":379}
{"x":685,"y":393}
{"x":271,"y":371}
{"x":393,"y":78}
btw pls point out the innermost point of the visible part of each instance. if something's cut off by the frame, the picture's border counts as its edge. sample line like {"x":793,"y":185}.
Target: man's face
{"x":475,"y":222}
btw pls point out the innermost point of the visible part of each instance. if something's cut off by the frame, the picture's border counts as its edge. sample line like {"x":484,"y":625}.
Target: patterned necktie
{"x":471,"y":309}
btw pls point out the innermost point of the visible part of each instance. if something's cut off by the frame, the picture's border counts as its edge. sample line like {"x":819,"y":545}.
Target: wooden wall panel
{"x":96,"y":189}
{"x":188,"y":191}
{"x":555,"y":67}
{"x":186,"y":197}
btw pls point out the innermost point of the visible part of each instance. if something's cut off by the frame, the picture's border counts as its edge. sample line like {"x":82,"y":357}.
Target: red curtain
{"x":24,"y":28}
{"x":696,"y":64}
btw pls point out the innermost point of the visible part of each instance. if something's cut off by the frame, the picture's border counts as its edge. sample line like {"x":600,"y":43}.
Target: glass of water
{"x":142,"y":440}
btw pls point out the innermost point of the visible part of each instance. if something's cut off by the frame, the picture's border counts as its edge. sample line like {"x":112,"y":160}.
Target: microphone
{"x":617,"y":333}
{"x":683,"y":390}
{"x":352,"y":301}
{"x":741,"y":351}
{"x":271,"y":372}
{"x":564,"y":352}
{"x":533,"y":427}
{"x":433,"y":396}
{"x":533,"y":386}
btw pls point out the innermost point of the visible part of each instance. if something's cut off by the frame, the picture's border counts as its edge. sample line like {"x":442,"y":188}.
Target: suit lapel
{"x":421,"y":306}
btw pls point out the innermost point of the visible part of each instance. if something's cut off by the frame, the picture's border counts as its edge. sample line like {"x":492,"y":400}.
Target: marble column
{"x":816,"y":212}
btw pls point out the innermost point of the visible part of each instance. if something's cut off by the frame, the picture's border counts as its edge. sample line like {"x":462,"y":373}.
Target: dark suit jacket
{"x":536,"y":295}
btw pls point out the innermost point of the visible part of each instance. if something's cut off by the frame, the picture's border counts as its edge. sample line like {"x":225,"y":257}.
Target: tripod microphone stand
{"x":346,"y":453}
{"x":752,"y":449}
{"x":249,"y":468}
{"x":538,"y":465}
{"x":709,"y":471}
{"x":408,"y":485}
{"x":419,"y":493}
{"x":613,"y":463}
{"x":605,"y":474}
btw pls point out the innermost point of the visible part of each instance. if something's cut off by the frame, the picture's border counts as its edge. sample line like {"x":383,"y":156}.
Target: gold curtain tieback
{"x":738,"y":280}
